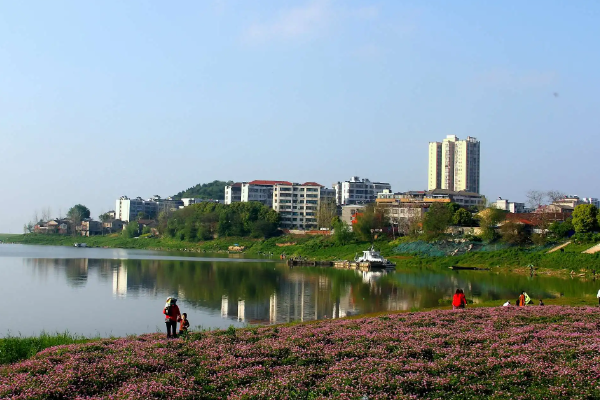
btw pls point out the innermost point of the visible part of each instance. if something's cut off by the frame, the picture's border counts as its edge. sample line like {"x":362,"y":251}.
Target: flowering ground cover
{"x":499,"y":353}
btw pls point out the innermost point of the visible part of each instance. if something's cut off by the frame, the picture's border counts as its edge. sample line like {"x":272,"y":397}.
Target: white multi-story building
{"x":510,"y":206}
{"x":454,"y":164}
{"x":258,"y":190}
{"x":298,"y":203}
{"x":358,"y":191}
{"x":128,"y":209}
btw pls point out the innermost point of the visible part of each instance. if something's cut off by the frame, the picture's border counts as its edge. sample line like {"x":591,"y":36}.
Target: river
{"x":116,"y":292}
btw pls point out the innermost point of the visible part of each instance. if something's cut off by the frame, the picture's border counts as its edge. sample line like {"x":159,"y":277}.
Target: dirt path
{"x":592,"y":250}
{"x":552,"y":250}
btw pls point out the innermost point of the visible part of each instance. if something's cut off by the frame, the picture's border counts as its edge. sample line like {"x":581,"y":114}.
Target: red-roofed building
{"x":312,"y":184}
{"x":269,"y":183}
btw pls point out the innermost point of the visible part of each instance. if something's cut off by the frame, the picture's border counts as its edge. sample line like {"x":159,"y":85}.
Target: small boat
{"x":80,"y":244}
{"x":374,"y":259}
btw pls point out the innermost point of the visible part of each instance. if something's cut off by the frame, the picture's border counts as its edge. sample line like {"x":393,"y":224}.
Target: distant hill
{"x":214,"y":190}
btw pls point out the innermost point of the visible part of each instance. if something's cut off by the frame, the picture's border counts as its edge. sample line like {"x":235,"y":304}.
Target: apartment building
{"x":258,"y":190}
{"x":127,"y":209}
{"x":454,"y":164}
{"x":298,"y":203}
{"x":358,"y":191}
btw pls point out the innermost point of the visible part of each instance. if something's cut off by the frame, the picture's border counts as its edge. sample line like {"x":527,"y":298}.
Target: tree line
{"x":206,"y":221}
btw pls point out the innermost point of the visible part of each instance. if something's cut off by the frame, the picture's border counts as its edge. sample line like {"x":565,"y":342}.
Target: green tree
{"x":561,"y":229}
{"x":146,"y":230}
{"x":132,"y":229}
{"x":342,"y":235}
{"x":463,"y":217}
{"x":78,"y":213}
{"x":453,"y":207}
{"x":369,"y":221}
{"x":436,"y":220}
{"x":326,"y":213}
{"x":585,"y":218}
{"x":488,"y":220}
{"x":213,"y":190}
{"x":514,"y":233}
{"x":104,"y":217}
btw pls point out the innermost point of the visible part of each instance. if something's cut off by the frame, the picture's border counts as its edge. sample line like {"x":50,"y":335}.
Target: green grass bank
{"x":570,"y":261}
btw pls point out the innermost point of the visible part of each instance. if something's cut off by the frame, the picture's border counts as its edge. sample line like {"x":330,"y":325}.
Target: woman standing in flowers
{"x":172,"y":315}
{"x":459,"y":300}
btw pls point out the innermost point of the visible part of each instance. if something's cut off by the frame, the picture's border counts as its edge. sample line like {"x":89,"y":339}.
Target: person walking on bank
{"x":172,"y":315}
{"x":459,"y":300}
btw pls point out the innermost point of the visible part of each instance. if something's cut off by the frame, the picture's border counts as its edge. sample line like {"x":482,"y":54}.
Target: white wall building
{"x":358,"y":191}
{"x":127,"y":209}
{"x":258,"y":190}
{"x":454,"y":164}
{"x":298,"y":203}
{"x":510,"y":206}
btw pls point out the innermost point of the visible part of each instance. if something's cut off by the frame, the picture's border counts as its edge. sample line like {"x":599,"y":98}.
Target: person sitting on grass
{"x":507,"y":304}
{"x":541,"y":302}
{"x":184,"y":324}
{"x":521,"y":300}
{"x":459,"y":300}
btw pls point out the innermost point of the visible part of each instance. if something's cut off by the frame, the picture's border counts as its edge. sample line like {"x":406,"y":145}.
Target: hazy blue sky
{"x":109,"y":98}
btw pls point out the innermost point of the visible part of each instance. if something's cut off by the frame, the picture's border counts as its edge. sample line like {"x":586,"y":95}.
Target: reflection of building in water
{"x":244,"y":310}
{"x":120,"y":280}
{"x":241,"y":310}
{"x":344,"y":305}
{"x":224,"y":306}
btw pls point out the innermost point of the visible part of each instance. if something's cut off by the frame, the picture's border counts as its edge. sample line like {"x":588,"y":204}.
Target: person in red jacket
{"x":459,"y":300}
{"x":172,"y":315}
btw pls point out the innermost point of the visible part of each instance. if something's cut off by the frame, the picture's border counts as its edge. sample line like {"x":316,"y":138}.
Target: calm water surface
{"x":118,"y":292}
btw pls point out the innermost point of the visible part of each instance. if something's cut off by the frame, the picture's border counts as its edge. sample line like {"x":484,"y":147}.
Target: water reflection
{"x":259,"y":292}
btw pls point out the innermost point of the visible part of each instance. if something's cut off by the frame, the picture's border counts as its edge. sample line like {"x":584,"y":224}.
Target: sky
{"x":145,"y":97}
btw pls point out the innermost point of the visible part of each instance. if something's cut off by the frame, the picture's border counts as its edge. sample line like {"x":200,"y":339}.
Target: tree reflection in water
{"x":268,"y":292}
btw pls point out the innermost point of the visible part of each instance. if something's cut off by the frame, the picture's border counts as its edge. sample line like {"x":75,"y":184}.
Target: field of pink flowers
{"x":501,"y":353}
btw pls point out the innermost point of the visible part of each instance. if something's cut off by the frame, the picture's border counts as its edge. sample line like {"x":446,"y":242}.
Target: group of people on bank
{"x":460,"y":301}
{"x":173,"y":316}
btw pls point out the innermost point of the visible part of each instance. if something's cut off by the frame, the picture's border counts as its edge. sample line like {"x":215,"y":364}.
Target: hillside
{"x":214,"y":190}
{"x":486,"y":353}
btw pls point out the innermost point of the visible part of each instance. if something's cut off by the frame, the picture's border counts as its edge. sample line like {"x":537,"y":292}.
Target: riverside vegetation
{"x":485,"y":353}
{"x":212,"y":227}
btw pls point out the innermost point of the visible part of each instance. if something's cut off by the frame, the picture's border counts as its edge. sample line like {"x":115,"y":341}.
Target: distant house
{"x":112,"y":226}
{"x":89,"y":227}
{"x":57,"y":226}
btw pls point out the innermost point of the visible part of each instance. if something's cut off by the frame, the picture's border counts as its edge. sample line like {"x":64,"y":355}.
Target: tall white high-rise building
{"x":454,"y":164}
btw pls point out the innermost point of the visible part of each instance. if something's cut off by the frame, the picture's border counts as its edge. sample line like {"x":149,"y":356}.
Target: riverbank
{"x":477,"y":353}
{"x":518,"y":260}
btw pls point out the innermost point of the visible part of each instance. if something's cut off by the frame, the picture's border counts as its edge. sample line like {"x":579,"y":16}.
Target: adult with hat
{"x":172,"y":315}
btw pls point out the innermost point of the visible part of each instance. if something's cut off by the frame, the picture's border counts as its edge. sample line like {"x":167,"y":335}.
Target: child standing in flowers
{"x":172,"y":315}
{"x":184,"y":324}
{"x":459,"y":300}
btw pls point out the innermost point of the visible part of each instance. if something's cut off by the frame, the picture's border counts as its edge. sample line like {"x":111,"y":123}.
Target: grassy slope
{"x":325,"y":249}
{"x":499,"y":353}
